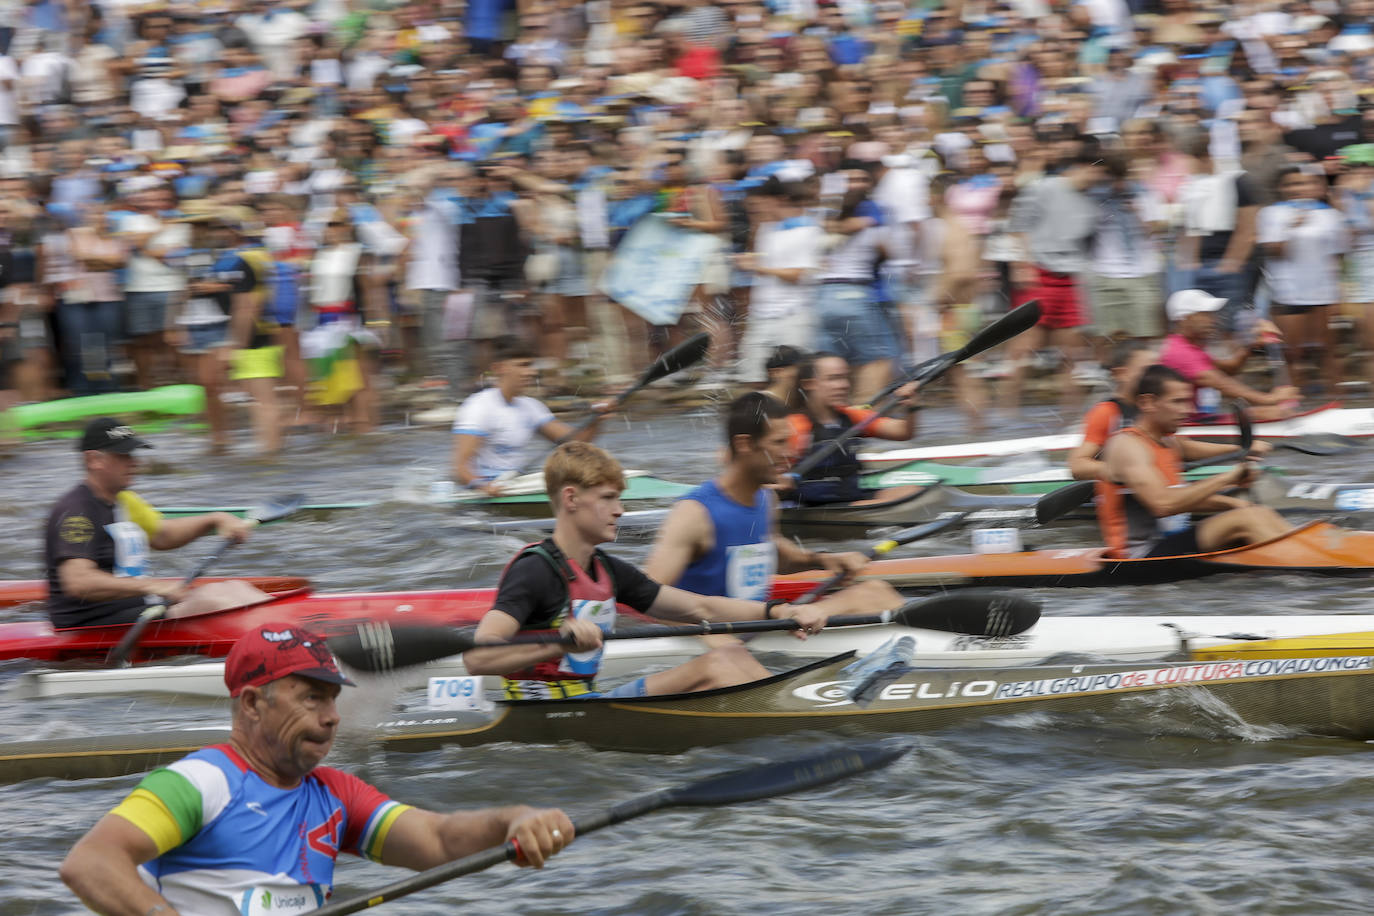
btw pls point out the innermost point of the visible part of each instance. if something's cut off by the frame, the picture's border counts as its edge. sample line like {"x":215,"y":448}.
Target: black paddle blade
{"x":380,"y":647}
{"x":978,"y":612}
{"x":1321,"y":444}
{"x":1018,"y":320}
{"x":1055,"y":504}
{"x":276,"y":509}
{"x":688,"y":353}
{"x":786,"y":776}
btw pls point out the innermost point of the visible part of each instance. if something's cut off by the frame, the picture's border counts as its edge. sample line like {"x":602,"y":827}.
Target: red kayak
{"x":329,"y":613}
{"x":212,"y":635}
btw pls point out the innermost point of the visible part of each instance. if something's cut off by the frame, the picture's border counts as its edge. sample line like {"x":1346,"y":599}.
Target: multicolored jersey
{"x":228,"y":842}
{"x":743,"y":559}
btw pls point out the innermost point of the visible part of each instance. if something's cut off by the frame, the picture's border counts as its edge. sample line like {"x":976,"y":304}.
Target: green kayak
{"x":48,"y":418}
{"x":1019,"y":477}
{"x":525,"y":495}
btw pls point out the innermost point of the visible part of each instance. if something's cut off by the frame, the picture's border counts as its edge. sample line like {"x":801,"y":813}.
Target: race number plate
{"x":457,"y":693}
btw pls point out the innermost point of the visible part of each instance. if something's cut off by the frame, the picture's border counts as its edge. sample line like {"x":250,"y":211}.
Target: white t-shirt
{"x":1309,"y":273}
{"x":792,"y":244}
{"x":433,"y":253}
{"x":9,"y":72}
{"x":147,"y":274}
{"x":506,"y":427}
{"x":1127,"y":252}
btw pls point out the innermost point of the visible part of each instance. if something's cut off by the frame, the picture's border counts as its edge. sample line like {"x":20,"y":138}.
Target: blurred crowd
{"x":297,"y":202}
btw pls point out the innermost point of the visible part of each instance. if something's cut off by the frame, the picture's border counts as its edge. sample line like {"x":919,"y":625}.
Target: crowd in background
{"x":294,"y":201}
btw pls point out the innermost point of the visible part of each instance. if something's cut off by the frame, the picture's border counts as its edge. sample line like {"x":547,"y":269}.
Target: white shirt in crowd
{"x":433,"y":252}
{"x":506,"y":428}
{"x":792,"y":244}
{"x":1309,"y":273}
{"x":147,"y":274}
{"x":1122,"y":256}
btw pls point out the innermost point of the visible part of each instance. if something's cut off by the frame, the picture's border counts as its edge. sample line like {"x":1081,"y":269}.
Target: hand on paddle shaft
{"x":686,"y":354}
{"x":158,"y":604}
{"x":999,"y":332}
{"x":978,"y":612}
{"x":1055,"y":504}
{"x":757,"y":782}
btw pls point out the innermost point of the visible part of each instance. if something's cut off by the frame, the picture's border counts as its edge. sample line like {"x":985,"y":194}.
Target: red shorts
{"x":1059,"y":303}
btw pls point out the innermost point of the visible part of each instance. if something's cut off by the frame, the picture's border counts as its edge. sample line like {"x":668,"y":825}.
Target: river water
{"x":1031,"y":814}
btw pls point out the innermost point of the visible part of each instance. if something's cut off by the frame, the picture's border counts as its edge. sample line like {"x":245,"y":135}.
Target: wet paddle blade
{"x":1018,"y":320}
{"x":796,"y":775}
{"x":1056,"y":504}
{"x":688,"y":353}
{"x":757,"y":782}
{"x":379,"y":647}
{"x":1321,"y":444}
{"x":979,"y":612}
{"x":276,"y":510}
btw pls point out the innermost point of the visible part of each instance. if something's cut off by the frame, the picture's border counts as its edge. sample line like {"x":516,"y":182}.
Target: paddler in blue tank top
{"x":722,"y":538}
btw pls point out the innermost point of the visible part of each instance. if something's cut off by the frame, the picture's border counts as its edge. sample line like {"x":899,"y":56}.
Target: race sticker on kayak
{"x":830,"y":694}
{"x":1173,"y":675}
{"x":1355,"y":500}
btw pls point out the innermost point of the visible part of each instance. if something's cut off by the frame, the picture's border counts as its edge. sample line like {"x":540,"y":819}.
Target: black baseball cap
{"x":107,"y":434}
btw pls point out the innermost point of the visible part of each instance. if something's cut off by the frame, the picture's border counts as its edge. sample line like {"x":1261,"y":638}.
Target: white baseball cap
{"x":1187,"y":302}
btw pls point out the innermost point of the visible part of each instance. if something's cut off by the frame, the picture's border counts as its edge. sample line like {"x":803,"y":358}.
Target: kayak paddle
{"x":1055,"y":504}
{"x":157,"y":605}
{"x":379,"y":647}
{"x":1320,"y":444}
{"x":1019,"y":319}
{"x":886,"y":546}
{"x":688,"y":353}
{"x":751,"y":784}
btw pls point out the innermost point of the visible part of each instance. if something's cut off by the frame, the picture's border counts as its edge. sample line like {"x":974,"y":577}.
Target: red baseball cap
{"x":274,"y":650}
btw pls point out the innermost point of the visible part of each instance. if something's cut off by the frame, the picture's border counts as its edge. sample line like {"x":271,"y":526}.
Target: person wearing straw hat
{"x":254,"y":825}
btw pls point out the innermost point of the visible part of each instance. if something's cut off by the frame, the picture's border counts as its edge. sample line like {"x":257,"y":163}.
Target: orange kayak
{"x":1318,"y":548}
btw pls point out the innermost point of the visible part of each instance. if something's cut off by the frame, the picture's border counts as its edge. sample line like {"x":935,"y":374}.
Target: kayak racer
{"x":1127,"y":361}
{"x":99,"y":533}
{"x":825,"y":387}
{"x":567,"y":583}
{"x":255,"y":825}
{"x":1144,"y":506}
{"x":722,"y":538}
{"x":494,"y":427}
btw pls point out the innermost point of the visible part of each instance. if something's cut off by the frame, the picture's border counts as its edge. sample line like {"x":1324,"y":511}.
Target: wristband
{"x":769,"y":605}
{"x":155,"y":909}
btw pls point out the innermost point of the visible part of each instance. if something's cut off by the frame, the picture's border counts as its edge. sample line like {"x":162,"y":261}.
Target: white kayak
{"x":1125,"y":639}
{"x":1356,"y":422}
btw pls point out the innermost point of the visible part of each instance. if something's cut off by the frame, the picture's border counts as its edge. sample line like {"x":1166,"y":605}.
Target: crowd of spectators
{"x":297,"y":199}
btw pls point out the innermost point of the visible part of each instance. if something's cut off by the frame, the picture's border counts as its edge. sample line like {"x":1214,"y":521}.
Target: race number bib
{"x":131,"y":548}
{"x":1173,"y":524}
{"x":601,"y":613}
{"x":749,"y":570}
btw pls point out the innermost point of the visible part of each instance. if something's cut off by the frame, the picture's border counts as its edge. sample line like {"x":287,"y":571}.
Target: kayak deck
{"x":1099,"y":638}
{"x":1317,"y":696}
